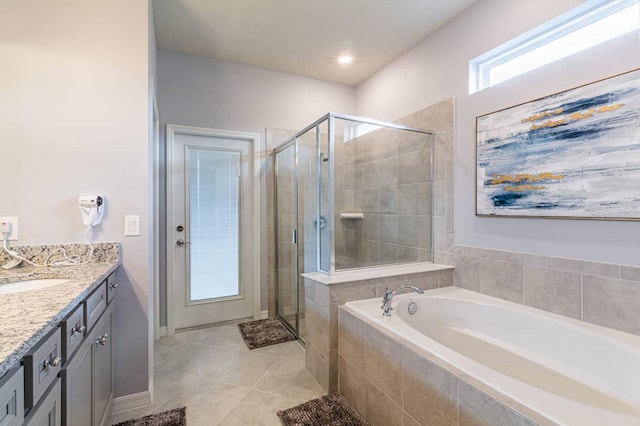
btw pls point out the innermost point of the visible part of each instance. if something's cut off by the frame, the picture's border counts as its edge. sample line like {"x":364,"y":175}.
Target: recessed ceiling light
{"x":345,"y":59}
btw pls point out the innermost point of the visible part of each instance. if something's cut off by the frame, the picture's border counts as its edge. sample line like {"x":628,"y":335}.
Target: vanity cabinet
{"x":66,"y":375}
{"x":87,"y":376}
{"x":48,"y":412}
{"x":12,"y":398}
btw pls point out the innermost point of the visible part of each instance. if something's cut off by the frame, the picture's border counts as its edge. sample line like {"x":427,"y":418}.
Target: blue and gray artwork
{"x":572,"y":154}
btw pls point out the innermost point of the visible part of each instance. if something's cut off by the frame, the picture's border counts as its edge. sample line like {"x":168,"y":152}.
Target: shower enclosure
{"x":349,"y":193}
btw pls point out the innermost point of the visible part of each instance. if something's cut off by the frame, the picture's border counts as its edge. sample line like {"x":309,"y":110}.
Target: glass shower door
{"x":286,"y":238}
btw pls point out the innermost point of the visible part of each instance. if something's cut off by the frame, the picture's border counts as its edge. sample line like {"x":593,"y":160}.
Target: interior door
{"x":212,"y":201}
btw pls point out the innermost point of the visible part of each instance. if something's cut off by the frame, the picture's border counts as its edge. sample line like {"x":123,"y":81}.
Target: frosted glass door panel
{"x":213,"y":208}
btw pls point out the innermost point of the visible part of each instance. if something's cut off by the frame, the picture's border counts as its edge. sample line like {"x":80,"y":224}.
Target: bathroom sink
{"x":30,"y":285}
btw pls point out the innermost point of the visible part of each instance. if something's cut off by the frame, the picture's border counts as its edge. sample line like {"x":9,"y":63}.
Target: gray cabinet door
{"x":77,"y":387}
{"x":12,"y":398}
{"x":48,"y":411}
{"x":102,"y":348}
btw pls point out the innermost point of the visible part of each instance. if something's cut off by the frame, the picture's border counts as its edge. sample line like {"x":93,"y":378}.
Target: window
{"x":594,"y":22}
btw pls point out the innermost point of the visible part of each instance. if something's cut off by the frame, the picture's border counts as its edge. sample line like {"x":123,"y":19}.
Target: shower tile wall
{"x":385,"y":174}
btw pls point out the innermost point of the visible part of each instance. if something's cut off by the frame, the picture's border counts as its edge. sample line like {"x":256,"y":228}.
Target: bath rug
{"x":176,"y":417}
{"x":264,"y":332}
{"x":329,"y":410}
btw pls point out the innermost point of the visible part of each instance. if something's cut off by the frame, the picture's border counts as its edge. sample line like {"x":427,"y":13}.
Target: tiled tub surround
{"x":324,"y":293}
{"x":456,"y":337}
{"x":605,"y":294}
{"x":28,"y":316}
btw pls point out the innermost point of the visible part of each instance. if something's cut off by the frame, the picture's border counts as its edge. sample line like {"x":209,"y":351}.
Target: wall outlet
{"x":13,"y":220}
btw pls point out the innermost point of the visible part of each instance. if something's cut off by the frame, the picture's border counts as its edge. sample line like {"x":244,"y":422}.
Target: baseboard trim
{"x":162,"y":331}
{"x":130,"y":402}
{"x":264,"y":314}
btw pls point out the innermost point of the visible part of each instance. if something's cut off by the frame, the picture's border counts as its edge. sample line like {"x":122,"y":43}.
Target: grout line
{"x":582,"y":297}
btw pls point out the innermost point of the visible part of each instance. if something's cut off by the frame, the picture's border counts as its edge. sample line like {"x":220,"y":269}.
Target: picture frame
{"x":574,"y":154}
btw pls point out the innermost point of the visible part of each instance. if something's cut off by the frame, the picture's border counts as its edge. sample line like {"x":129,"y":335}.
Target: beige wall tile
{"x":478,"y":409}
{"x":630,"y":273}
{"x":318,"y":366}
{"x":380,"y":410}
{"x":408,"y":199}
{"x":429,"y":393}
{"x":612,"y":303}
{"x":352,"y":385}
{"x":383,"y":363}
{"x":583,"y":267}
{"x":445,"y":278}
{"x":323,"y":332}
{"x":356,"y":291}
{"x":351,"y":339}
{"x":553,"y":290}
{"x":310,"y":290}
{"x":501,"y":279}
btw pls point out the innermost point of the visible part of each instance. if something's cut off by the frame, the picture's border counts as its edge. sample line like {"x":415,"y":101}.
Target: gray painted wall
{"x":73,"y":119}
{"x":437,"y":68}
{"x":198,"y":91}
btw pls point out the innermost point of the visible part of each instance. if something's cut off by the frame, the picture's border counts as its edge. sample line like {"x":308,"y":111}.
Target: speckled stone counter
{"x":28,"y":316}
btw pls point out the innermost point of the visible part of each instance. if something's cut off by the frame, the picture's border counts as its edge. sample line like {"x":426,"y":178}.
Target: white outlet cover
{"x":14,"y":227}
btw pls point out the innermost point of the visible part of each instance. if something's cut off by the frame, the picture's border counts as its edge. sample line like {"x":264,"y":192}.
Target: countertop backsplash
{"x":102,"y":252}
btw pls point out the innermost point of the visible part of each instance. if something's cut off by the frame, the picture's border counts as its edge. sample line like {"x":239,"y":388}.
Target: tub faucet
{"x":388,"y":297}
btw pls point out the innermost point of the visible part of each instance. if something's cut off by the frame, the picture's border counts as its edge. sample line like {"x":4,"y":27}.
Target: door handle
{"x":180,"y":242}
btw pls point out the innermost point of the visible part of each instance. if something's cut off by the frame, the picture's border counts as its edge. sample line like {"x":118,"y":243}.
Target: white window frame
{"x":567,"y":23}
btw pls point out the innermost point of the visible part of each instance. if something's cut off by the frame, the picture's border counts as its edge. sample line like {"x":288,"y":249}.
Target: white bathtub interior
{"x":570,"y":371}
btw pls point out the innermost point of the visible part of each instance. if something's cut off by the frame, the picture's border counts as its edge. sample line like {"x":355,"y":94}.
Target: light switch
{"x":131,"y":226}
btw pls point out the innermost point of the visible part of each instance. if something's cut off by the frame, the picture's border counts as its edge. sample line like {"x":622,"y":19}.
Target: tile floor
{"x":221,"y":382}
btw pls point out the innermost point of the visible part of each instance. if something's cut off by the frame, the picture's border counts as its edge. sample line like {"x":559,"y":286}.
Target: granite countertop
{"x":28,"y":316}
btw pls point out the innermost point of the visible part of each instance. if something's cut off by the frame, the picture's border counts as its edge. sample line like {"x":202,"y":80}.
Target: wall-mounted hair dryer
{"x":92,"y":208}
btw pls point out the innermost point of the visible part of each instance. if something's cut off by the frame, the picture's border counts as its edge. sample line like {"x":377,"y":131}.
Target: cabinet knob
{"x":114,"y":285}
{"x":102,"y":340}
{"x":52,"y":363}
{"x":79,"y":329}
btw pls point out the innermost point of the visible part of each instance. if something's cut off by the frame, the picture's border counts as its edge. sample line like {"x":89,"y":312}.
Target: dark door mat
{"x":176,"y":417}
{"x":329,"y":410}
{"x":264,"y":332}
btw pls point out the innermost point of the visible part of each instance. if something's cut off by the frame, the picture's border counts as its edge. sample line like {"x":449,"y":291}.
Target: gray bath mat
{"x":329,"y":410}
{"x":177,"y":417}
{"x":265,"y":332}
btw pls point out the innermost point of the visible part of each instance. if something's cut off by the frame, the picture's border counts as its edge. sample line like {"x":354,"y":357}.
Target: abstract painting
{"x":574,"y":154}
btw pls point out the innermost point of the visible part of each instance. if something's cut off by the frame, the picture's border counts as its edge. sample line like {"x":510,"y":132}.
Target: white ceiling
{"x":302,"y":36}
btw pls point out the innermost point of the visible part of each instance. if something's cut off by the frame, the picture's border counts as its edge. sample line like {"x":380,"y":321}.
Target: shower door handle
{"x":294,"y":236}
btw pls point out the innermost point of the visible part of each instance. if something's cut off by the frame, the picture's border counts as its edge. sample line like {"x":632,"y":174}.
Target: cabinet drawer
{"x":95,"y":305}
{"x":112,"y":285}
{"x":48,"y":410}
{"x":73,"y":331}
{"x":12,"y":398}
{"x":41,"y":367}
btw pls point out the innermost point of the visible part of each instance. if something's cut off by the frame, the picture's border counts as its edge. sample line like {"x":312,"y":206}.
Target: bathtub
{"x":568,"y":371}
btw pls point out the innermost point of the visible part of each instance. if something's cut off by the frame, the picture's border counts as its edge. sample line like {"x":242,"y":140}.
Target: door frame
{"x":254,"y":140}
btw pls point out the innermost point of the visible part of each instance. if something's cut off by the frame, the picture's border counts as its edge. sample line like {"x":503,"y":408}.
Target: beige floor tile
{"x":295,"y":351}
{"x":168,"y":383}
{"x":207,"y":401}
{"x":166,"y":348}
{"x":258,"y":409}
{"x":290,"y":378}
